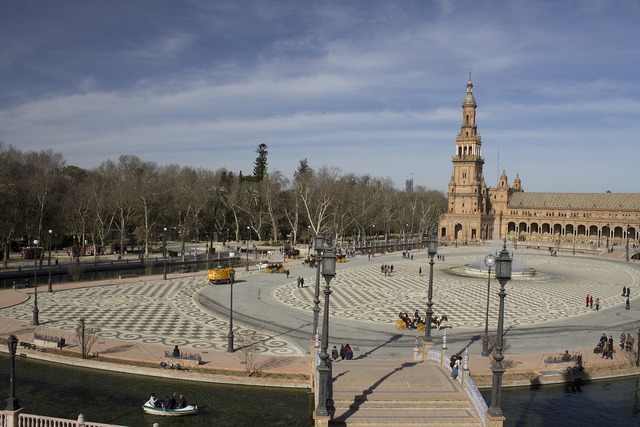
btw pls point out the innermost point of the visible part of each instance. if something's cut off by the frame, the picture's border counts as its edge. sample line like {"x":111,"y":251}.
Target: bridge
{"x":415,"y":392}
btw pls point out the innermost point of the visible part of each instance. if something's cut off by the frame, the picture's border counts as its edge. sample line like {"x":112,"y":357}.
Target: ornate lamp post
{"x":164,"y":254}
{"x":35,"y":320}
{"x":324,"y":370}
{"x":503,"y":274}
{"x":12,"y":401}
{"x":230,"y":349}
{"x":432,"y":250}
{"x":489,"y":261}
{"x":318,"y":246}
{"x":50,"y":285}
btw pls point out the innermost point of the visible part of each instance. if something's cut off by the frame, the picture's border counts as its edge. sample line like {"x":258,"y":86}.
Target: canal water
{"x":61,"y":391}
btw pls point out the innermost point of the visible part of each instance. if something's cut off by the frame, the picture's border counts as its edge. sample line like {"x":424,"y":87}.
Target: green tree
{"x":260,"y":165}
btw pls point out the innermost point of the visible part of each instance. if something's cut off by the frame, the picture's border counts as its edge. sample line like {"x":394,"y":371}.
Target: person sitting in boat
{"x":153,"y":401}
{"x":183,"y":402}
{"x":170,"y":402}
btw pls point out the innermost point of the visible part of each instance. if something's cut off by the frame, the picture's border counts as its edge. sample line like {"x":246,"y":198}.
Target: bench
{"x":48,"y":341}
{"x":127,"y":276}
{"x":190,"y":360}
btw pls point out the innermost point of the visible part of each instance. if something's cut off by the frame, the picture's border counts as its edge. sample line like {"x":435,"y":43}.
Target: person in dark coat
{"x":343,"y":352}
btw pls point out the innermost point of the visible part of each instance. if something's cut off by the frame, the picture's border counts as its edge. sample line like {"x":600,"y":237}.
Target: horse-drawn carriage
{"x":275,"y":267}
{"x":310,"y":261}
{"x":404,"y":321}
{"x":291,"y":253}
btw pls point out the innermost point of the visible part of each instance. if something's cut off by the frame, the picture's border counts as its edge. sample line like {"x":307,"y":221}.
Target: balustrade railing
{"x":15,"y":419}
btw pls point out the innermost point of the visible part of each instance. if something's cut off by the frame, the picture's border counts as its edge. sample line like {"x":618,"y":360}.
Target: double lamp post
{"x":324,"y":368}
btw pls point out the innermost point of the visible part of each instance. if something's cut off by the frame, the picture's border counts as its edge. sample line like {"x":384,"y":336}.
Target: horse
{"x":437,"y":320}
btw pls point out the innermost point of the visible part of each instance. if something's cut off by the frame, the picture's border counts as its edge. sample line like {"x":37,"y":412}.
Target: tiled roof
{"x":578,"y":201}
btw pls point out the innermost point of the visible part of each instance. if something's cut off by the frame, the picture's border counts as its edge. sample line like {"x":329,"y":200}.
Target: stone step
{"x":392,"y":417}
{"x":346,"y":403}
{"x":403,"y":393}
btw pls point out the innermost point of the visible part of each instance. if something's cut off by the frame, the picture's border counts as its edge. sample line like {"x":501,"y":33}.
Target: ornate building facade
{"x":477,"y":213}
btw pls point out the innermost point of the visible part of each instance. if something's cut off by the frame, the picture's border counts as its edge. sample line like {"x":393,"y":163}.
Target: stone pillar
{"x":494,"y":421}
{"x":321,"y":421}
{"x":465,"y":368}
{"x":12,"y":417}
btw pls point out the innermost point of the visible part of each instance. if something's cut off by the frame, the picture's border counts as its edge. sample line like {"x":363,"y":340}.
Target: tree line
{"x":132,"y":201}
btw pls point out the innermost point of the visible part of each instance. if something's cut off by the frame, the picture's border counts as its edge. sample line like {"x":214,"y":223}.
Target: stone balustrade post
{"x":80,"y":420}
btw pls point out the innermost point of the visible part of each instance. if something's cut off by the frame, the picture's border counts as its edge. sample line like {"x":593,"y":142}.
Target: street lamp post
{"x":248,"y":229}
{"x":12,"y":401}
{"x":608,"y":233}
{"x":627,"y":248}
{"x":503,"y":274}
{"x":50,"y":285}
{"x":318,"y":246}
{"x":432,"y":250}
{"x":164,"y":254}
{"x":324,"y":369}
{"x":230,"y":349}
{"x":35,"y":321}
{"x":575,"y":235}
{"x":489,"y":261}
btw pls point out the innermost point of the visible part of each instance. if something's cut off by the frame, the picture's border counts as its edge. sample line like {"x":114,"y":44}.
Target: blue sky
{"x":370,"y":87}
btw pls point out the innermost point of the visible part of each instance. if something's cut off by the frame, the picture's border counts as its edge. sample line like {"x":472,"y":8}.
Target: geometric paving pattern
{"x":365,"y":294}
{"x":167,"y":312}
{"x":151,"y":312}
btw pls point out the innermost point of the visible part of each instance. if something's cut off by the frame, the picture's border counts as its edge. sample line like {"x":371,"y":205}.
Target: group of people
{"x":411,"y":323}
{"x":626,"y":292}
{"x":626,"y":342}
{"x":170,"y":402}
{"x":407,"y":255}
{"x":605,"y":346}
{"x":300,"y":282}
{"x":346,"y":352}
{"x":387,"y":270}
{"x":589,"y":301}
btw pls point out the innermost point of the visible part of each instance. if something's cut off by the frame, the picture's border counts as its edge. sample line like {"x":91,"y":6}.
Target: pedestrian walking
{"x":624,"y":291}
{"x":343,"y":352}
{"x":587,"y":300}
{"x":611,"y":347}
{"x":302,"y":282}
{"x":628,"y":291}
{"x":591,"y":301}
{"x":334,"y":353}
{"x":420,"y":271}
{"x":626,"y":307}
{"x":597,"y":304}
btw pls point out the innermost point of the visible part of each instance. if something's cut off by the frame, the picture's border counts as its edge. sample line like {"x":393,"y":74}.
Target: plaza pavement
{"x":141,"y":318}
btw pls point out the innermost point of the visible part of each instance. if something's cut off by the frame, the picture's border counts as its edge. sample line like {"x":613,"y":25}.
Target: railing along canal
{"x":18,"y":419}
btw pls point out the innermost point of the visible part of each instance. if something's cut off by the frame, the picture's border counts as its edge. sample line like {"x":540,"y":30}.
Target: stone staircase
{"x":398,"y":393}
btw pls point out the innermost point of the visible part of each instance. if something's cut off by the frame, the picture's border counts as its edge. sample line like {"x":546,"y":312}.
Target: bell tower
{"x":467,"y":217}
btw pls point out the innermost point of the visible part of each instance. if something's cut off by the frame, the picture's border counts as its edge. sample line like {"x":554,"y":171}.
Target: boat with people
{"x":169,"y":408}
{"x":162,"y":411}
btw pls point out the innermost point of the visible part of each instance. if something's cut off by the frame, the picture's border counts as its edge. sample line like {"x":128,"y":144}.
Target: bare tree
{"x":86,"y":335}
